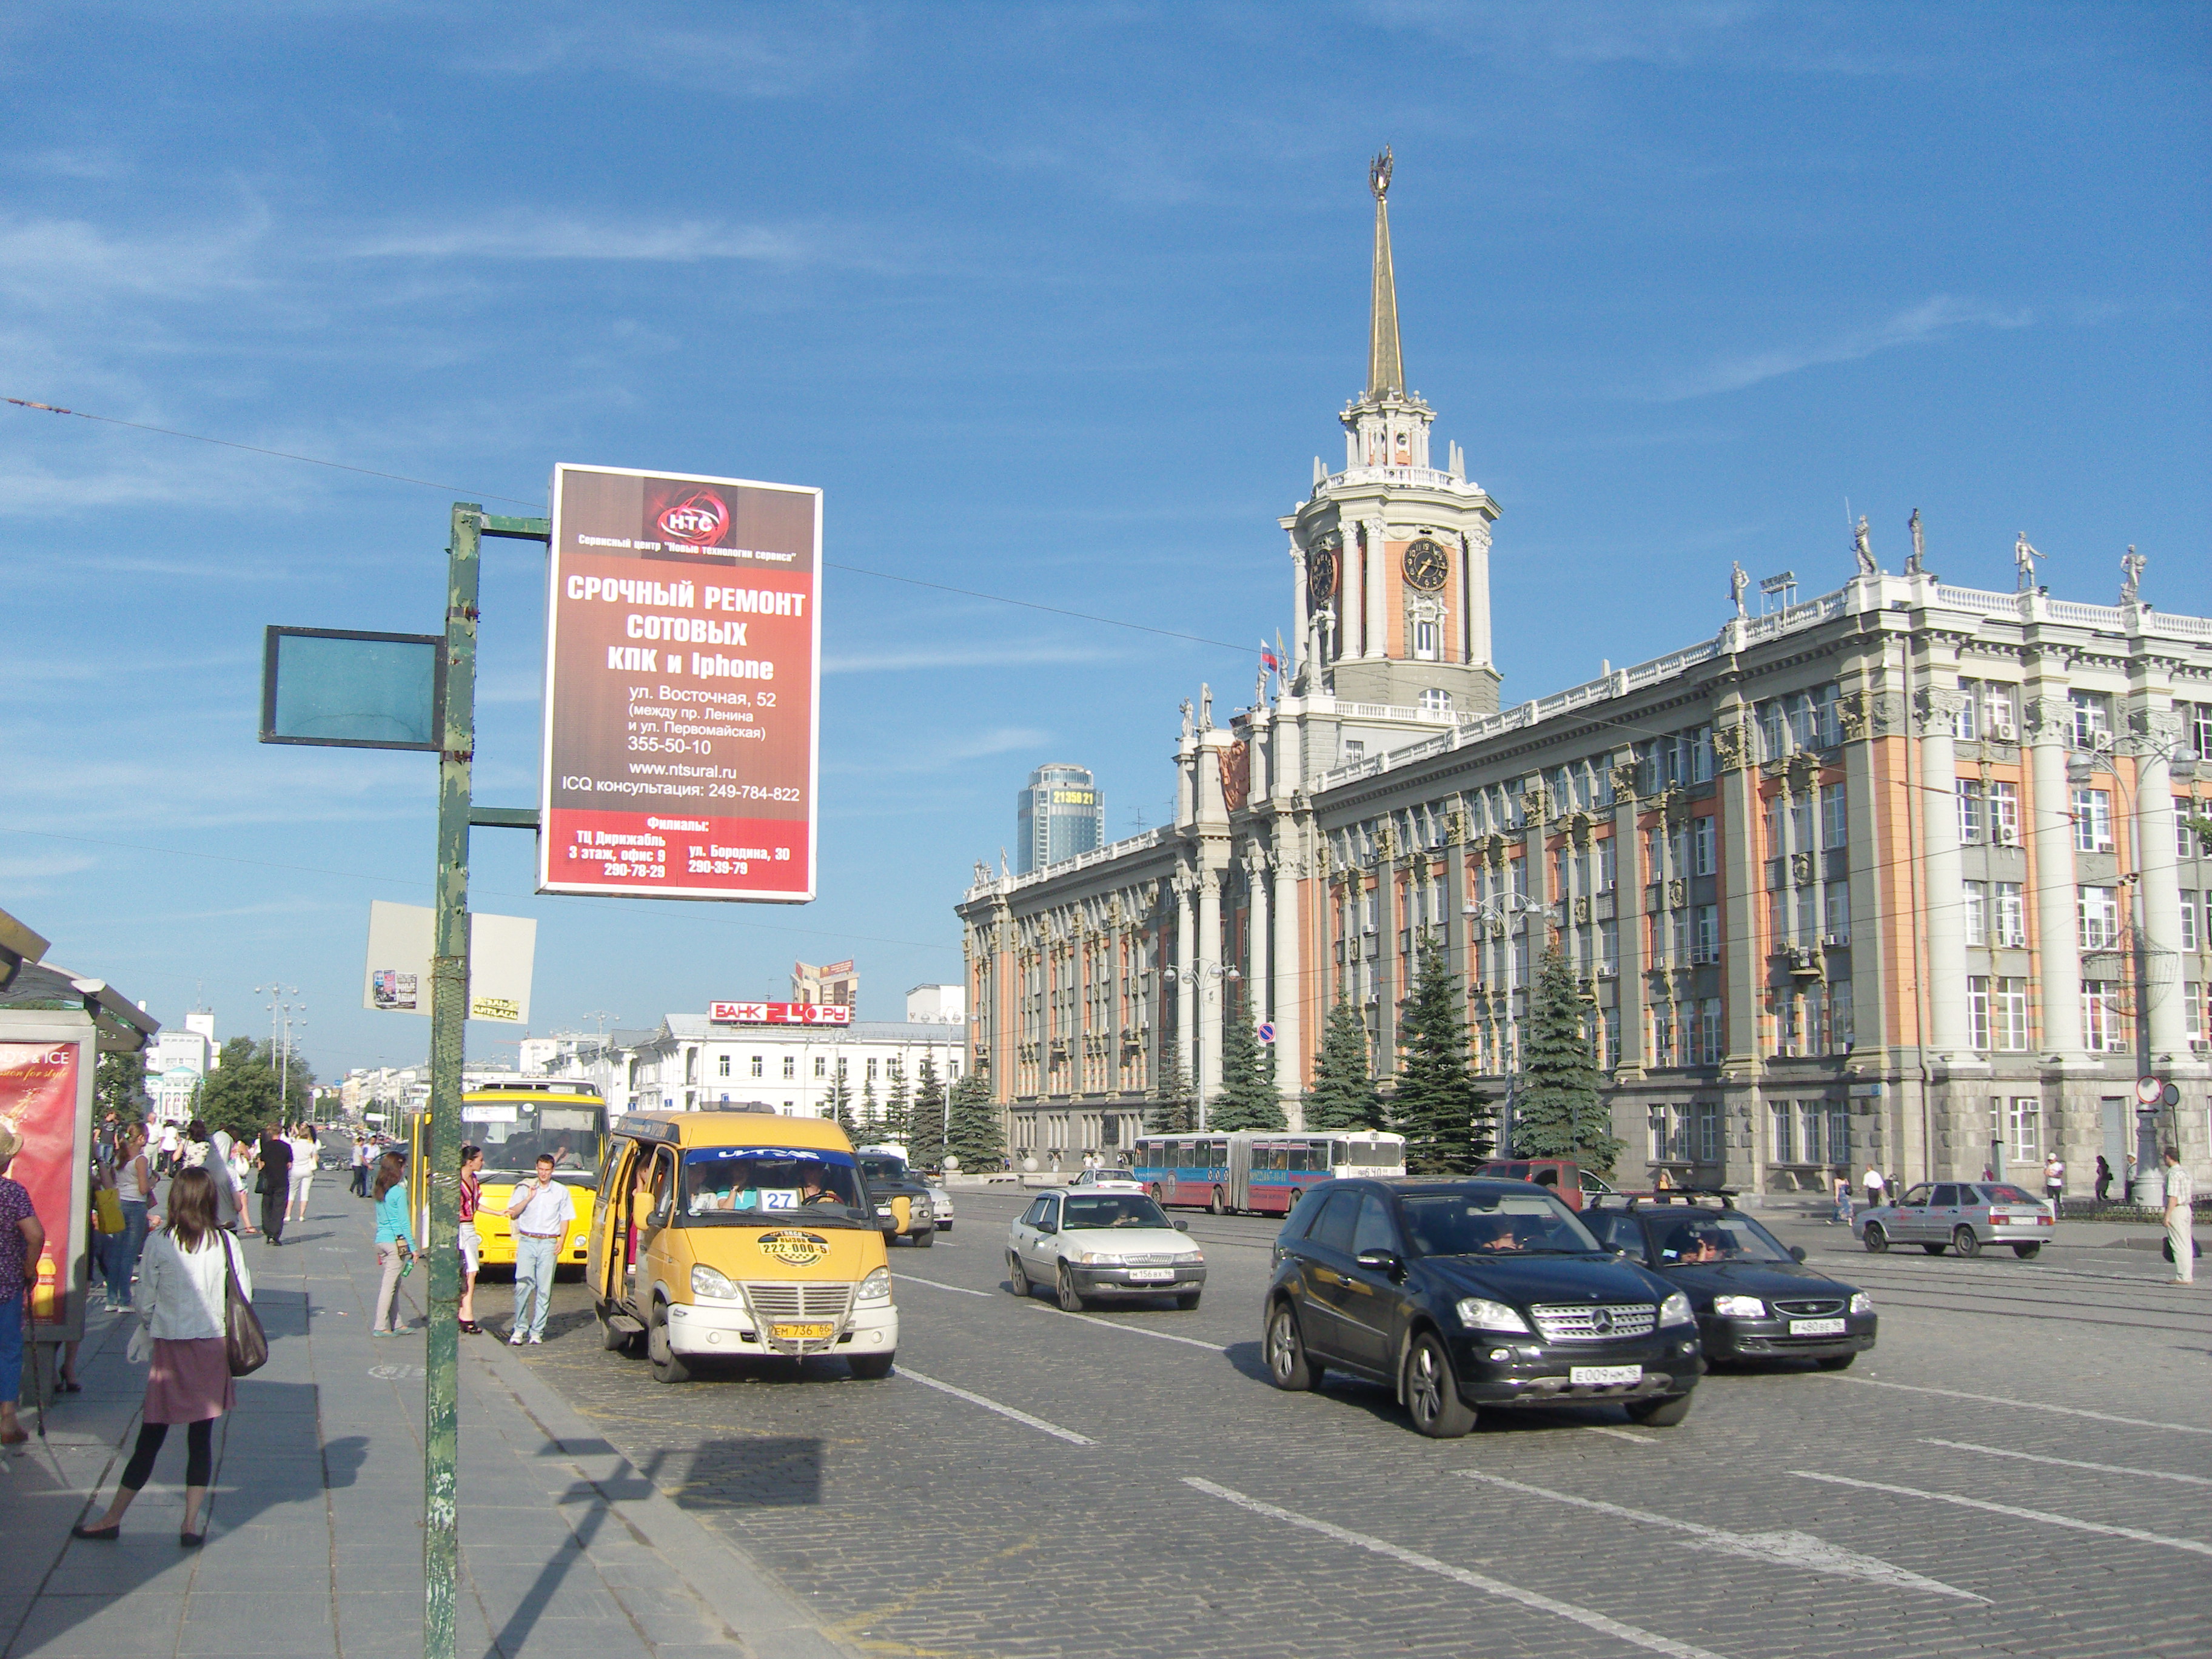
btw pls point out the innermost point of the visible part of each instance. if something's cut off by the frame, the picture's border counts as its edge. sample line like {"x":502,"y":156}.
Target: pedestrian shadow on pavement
{"x":760,"y":1472}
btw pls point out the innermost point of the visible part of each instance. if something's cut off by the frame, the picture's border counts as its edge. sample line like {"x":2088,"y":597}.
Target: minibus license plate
{"x":1594,"y":1376}
{"x":810,"y":1332}
{"x":1151,"y":1276}
{"x":1816,"y":1327}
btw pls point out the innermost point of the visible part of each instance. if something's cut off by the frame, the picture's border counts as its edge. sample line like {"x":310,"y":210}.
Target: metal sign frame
{"x":271,"y":647}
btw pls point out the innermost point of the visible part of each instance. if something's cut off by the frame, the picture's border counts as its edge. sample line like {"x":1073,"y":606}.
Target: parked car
{"x":1562,"y":1175}
{"x":1115,"y":1179}
{"x":889,"y":1180}
{"x":1470,"y":1295}
{"x":1959,"y":1215}
{"x":1755,"y":1298}
{"x":940,"y":1204}
{"x":1087,"y":1245}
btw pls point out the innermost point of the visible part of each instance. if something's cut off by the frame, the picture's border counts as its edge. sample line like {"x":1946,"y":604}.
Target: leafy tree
{"x":1445,"y":1118}
{"x":977,"y":1137}
{"x":924,"y":1145}
{"x":120,"y":1087}
{"x":239,"y":1094}
{"x":1556,"y":1110}
{"x":1175,"y":1103}
{"x":898,"y":1108}
{"x":1343,"y":1095}
{"x":841,"y":1100}
{"x":1247,"y":1098}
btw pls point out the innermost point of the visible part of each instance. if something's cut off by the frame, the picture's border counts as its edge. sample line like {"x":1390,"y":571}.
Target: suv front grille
{"x":1606,"y":1322}
{"x":1813,"y":1308}
{"x":809,"y":1302}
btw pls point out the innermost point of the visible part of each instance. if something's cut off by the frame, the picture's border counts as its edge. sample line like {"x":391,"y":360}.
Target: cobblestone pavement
{"x":1157,"y":1497}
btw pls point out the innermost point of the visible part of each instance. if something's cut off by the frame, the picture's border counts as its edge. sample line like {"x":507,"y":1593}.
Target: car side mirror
{"x":1796,"y":1252}
{"x":1381,"y":1261}
{"x":1182,"y":1226}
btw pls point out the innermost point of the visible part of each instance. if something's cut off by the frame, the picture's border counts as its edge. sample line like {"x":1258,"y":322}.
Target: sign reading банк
{"x":682,"y":648}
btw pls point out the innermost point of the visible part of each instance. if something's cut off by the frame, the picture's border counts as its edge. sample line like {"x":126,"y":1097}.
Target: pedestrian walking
{"x":2180,"y":1218}
{"x":471,"y":1243}
{"x":541,"y":1212}
{"x":361,"y":1166}
{"x":2104,"y":1180}
{"x":22,"y":1240}
{"x":395,"y":1241}
{"x":134,"y":1191}
{"x":1843,"y":1215}
{"x":172,"y":1139}
{"x":2054,"y":1180}
{"x":1874,"y":1184}
{"x":307,"y":1153}
{"x":273,"y":1158}
{"x":179,"y":1302}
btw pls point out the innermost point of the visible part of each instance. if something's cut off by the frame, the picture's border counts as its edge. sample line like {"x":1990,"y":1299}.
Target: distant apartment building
{"x":1059,"y":814}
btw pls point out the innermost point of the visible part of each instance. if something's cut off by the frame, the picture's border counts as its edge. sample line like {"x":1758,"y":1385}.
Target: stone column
{"x":2051,"y":843}
{"x":1204,"y":963}
{"x":1299,"y":596}
{"x":1286,"y":962}
{"x":1629,"y":877}
{"x":2159,"y":891}
{"x":1258,"y":936}
{"x":1942,"y":904}
{"x":1377,"y":640}
{"x":1186,"y":1035}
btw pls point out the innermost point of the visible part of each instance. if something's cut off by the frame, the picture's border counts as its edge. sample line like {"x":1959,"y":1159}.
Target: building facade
{"x":692,"y":1062}
{"x":1904,"y":875}
{"x":1059,"y":814}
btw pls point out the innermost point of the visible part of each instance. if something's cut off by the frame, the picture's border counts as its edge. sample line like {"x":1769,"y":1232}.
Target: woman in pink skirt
{"x":181,"y":1298}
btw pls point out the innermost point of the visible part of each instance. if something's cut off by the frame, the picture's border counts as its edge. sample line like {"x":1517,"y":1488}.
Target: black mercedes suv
{"x":1468,"y":1296}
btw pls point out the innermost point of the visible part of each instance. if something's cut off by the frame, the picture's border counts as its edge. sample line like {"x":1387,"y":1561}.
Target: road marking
{"x":1619,"y":1434}
{"x":1068,"y":1435}
{"x":1585,"y":1616}
{"x":936,"y":1284}
{"x":1134,"y":1330}
{"x":2043,"y":1515}
{"x":2069,"y":1462}
{"x":2028,"y":1404}
{"x":1787,"y":1549}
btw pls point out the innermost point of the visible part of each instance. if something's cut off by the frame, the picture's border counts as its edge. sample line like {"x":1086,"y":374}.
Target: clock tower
{"x":1392,"y":555}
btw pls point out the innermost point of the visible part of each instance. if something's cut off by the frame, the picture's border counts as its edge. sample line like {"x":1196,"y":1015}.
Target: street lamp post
{"x":1210,"y":974}
{"x":1504,"y":908}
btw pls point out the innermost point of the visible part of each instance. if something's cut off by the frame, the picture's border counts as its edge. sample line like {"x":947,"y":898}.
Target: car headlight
{"x":1862,"y":1302}
{"x":1191,"y":1255}
{"x":876,"y":1287}
{"x":708,"y":1282}
{"x":1676,"y":1311}
{"x":1099,"y":1259}
{"x":1480,"y":1313}
{"x":1739,"y":1307}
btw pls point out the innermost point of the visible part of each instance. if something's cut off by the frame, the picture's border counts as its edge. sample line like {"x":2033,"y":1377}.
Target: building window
{"x":2192,"y":1012}
{"x":1434,"y":699}
{"x":2101,"y":1017}
{"x":1709,"y":933}
{"x":1425,"y":640}
{"x":1704,"y":847}
{"x":2099,"y":908}
{"x":2017,"y":1128}
{"x":2185,"y":838}
{"x":2093,"y":719}
{"x":721,"y":1065}
{"x":2189,"y":921}
{"x":1964,"y":725}
{"x":1977,"y":909}
{"x":790,"y":1066}
{"x":1662,"y":1034}
{"x":758,"y":1063}
{"x":1997,"y":713}
{"x":1977,"y":1011}
{"x":871,"y":1068}
{"x":1782,"y":1118}
{"x":1842,"y":1029}
{"x":1812,"y":1119}
{"x":2012,"y":1016}
{"x":1711,"y":1039}
{"x":1969,"y":813}
{"x":1835,"y":817}
{"x":2200,"y":729}
{"x":2003,"y":815}
{"x":1705,"y":1145}
{"x":821,"y":1066}
{"x":2011,"y":917}
{"x":2092,"y":820}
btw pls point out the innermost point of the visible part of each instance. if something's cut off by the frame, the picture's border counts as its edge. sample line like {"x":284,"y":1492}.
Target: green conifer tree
{"x":1445,"y":1118}
{"x":841,"y":1100}
{"x":925,"y":1147}
{"x":1343,"y":1095}
{"x":1557,"y":1112}
{"x":870,"y":1117}
{"x":1247,"y":1098}
{"x":1174,"y":1108}
{"x":975,"y":1135}
{"x":898,"y":1106}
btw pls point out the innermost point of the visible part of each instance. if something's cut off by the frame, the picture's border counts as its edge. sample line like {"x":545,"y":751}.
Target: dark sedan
{"x":1755,"y":1297}
{"x":1470,"y":1295}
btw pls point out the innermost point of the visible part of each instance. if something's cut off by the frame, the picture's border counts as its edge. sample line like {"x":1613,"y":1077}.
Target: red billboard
{"x":683,"y":651}
{"x":779,"y":1013}
{"x":39,"y":1097}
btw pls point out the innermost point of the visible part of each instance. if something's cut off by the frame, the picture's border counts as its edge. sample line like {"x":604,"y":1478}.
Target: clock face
{"x":1426,"y":565}
{"x":1321,"y":575}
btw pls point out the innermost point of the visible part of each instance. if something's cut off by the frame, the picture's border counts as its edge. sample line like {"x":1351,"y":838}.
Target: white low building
{"x":692,"y":1061}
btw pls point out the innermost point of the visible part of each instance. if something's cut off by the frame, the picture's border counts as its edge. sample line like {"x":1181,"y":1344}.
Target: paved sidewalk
{"x":314,"y":1544}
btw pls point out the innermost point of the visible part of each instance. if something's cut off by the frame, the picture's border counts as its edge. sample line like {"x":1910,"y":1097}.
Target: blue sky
{"x":1056,"y":302}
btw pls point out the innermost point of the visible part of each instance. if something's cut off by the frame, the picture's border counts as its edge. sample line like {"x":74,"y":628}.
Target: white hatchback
{"x":1086,"y":1246}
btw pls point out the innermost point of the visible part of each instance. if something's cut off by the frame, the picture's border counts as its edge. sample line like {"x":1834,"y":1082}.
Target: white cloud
{"x":33,"y":875}
{"x":521,"y":236}
{"x":977,"y":656}
{"x":1932,"y":319}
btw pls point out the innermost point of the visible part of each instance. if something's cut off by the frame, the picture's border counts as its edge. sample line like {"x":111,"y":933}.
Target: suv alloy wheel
{"x":1288,"y":1368}
{"x":1432,"y":1390}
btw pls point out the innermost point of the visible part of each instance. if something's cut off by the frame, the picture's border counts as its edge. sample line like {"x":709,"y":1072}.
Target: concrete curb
{"x":773,"y":1623}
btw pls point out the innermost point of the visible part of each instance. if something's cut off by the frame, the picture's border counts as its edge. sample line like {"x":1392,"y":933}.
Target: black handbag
{"x":245,"y":1345}
{"x":2166,"y":1249}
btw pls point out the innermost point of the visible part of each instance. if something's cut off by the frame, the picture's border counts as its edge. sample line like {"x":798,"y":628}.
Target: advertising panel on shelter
{"x":42,"y":1096}
{"x":683,"y":649}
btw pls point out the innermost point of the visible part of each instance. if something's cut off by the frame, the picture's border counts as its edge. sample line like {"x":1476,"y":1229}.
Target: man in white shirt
{"x":1874,"y":1184}
{"x":541,"y":1212}
{"x":2054,"y":1180}
{"x":2180,"y":1220}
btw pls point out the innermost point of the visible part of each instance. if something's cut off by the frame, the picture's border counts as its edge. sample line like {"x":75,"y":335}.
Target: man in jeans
{"x":2180,"y":1220}
{"x":541,"y":1212}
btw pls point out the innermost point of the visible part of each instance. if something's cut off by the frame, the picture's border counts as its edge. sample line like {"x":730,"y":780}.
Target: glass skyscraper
{"x":1059,"y":813}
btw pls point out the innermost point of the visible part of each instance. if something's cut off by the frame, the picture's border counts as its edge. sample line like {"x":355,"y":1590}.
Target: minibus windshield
{"x":746,"y":1185}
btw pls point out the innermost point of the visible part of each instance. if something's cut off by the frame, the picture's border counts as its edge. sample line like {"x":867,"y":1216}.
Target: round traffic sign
{"x":1267,"y":1031}
{"x":2150,"y":1089}
{"x":2170,"y":1095}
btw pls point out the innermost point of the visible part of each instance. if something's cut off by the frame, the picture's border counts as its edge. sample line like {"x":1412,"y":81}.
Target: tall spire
{"x":1386,"y":371}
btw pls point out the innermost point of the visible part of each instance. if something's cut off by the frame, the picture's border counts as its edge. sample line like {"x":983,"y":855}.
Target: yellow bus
{"x":513,"y":1122}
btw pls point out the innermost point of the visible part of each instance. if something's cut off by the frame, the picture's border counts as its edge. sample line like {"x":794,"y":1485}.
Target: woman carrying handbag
{"x":185,"y":1300}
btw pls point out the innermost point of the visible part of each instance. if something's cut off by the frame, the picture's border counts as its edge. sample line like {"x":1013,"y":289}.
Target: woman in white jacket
{"x":179,"y":1299}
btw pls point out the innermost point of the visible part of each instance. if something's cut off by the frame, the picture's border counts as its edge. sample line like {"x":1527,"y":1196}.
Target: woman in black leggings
{"x":181,"y":1279}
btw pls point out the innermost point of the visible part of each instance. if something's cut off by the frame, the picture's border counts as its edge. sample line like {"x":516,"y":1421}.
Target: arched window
{"x":1434,"y":699}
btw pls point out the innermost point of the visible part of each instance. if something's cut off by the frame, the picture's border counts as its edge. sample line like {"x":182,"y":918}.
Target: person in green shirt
{"x":395,"y":1240}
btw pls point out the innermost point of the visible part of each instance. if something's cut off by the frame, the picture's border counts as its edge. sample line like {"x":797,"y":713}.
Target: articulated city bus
{"x":513,"y":1122}
{"x":1263,"y":1171}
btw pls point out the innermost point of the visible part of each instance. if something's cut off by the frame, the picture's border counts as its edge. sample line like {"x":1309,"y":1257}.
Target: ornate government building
{"x":1902,"y":874}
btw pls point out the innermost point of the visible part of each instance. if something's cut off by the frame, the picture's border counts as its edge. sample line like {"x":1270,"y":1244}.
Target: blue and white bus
{"x":1264,"y":1171}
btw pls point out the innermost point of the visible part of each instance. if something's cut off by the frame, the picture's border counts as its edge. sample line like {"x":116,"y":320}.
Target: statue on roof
{"x":1863,"y":545}
{"x":2023,"y":559}
{"x":1205,"y":706}
{"x":1378,"y":175}
{"x":1737,"y":583}
{"x":1916,"y":566}
{"x":1185,"y":719}
{"x":2131,"y":569}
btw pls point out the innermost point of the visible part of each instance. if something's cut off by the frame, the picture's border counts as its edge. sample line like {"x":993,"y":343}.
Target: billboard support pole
{"x":449,"y":1006}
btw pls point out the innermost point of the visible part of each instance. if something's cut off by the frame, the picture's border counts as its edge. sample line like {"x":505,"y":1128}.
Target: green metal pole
{"x":449,"y":997}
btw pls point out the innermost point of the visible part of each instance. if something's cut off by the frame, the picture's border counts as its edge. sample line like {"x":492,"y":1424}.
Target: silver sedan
{"x":1961,"y":1216}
